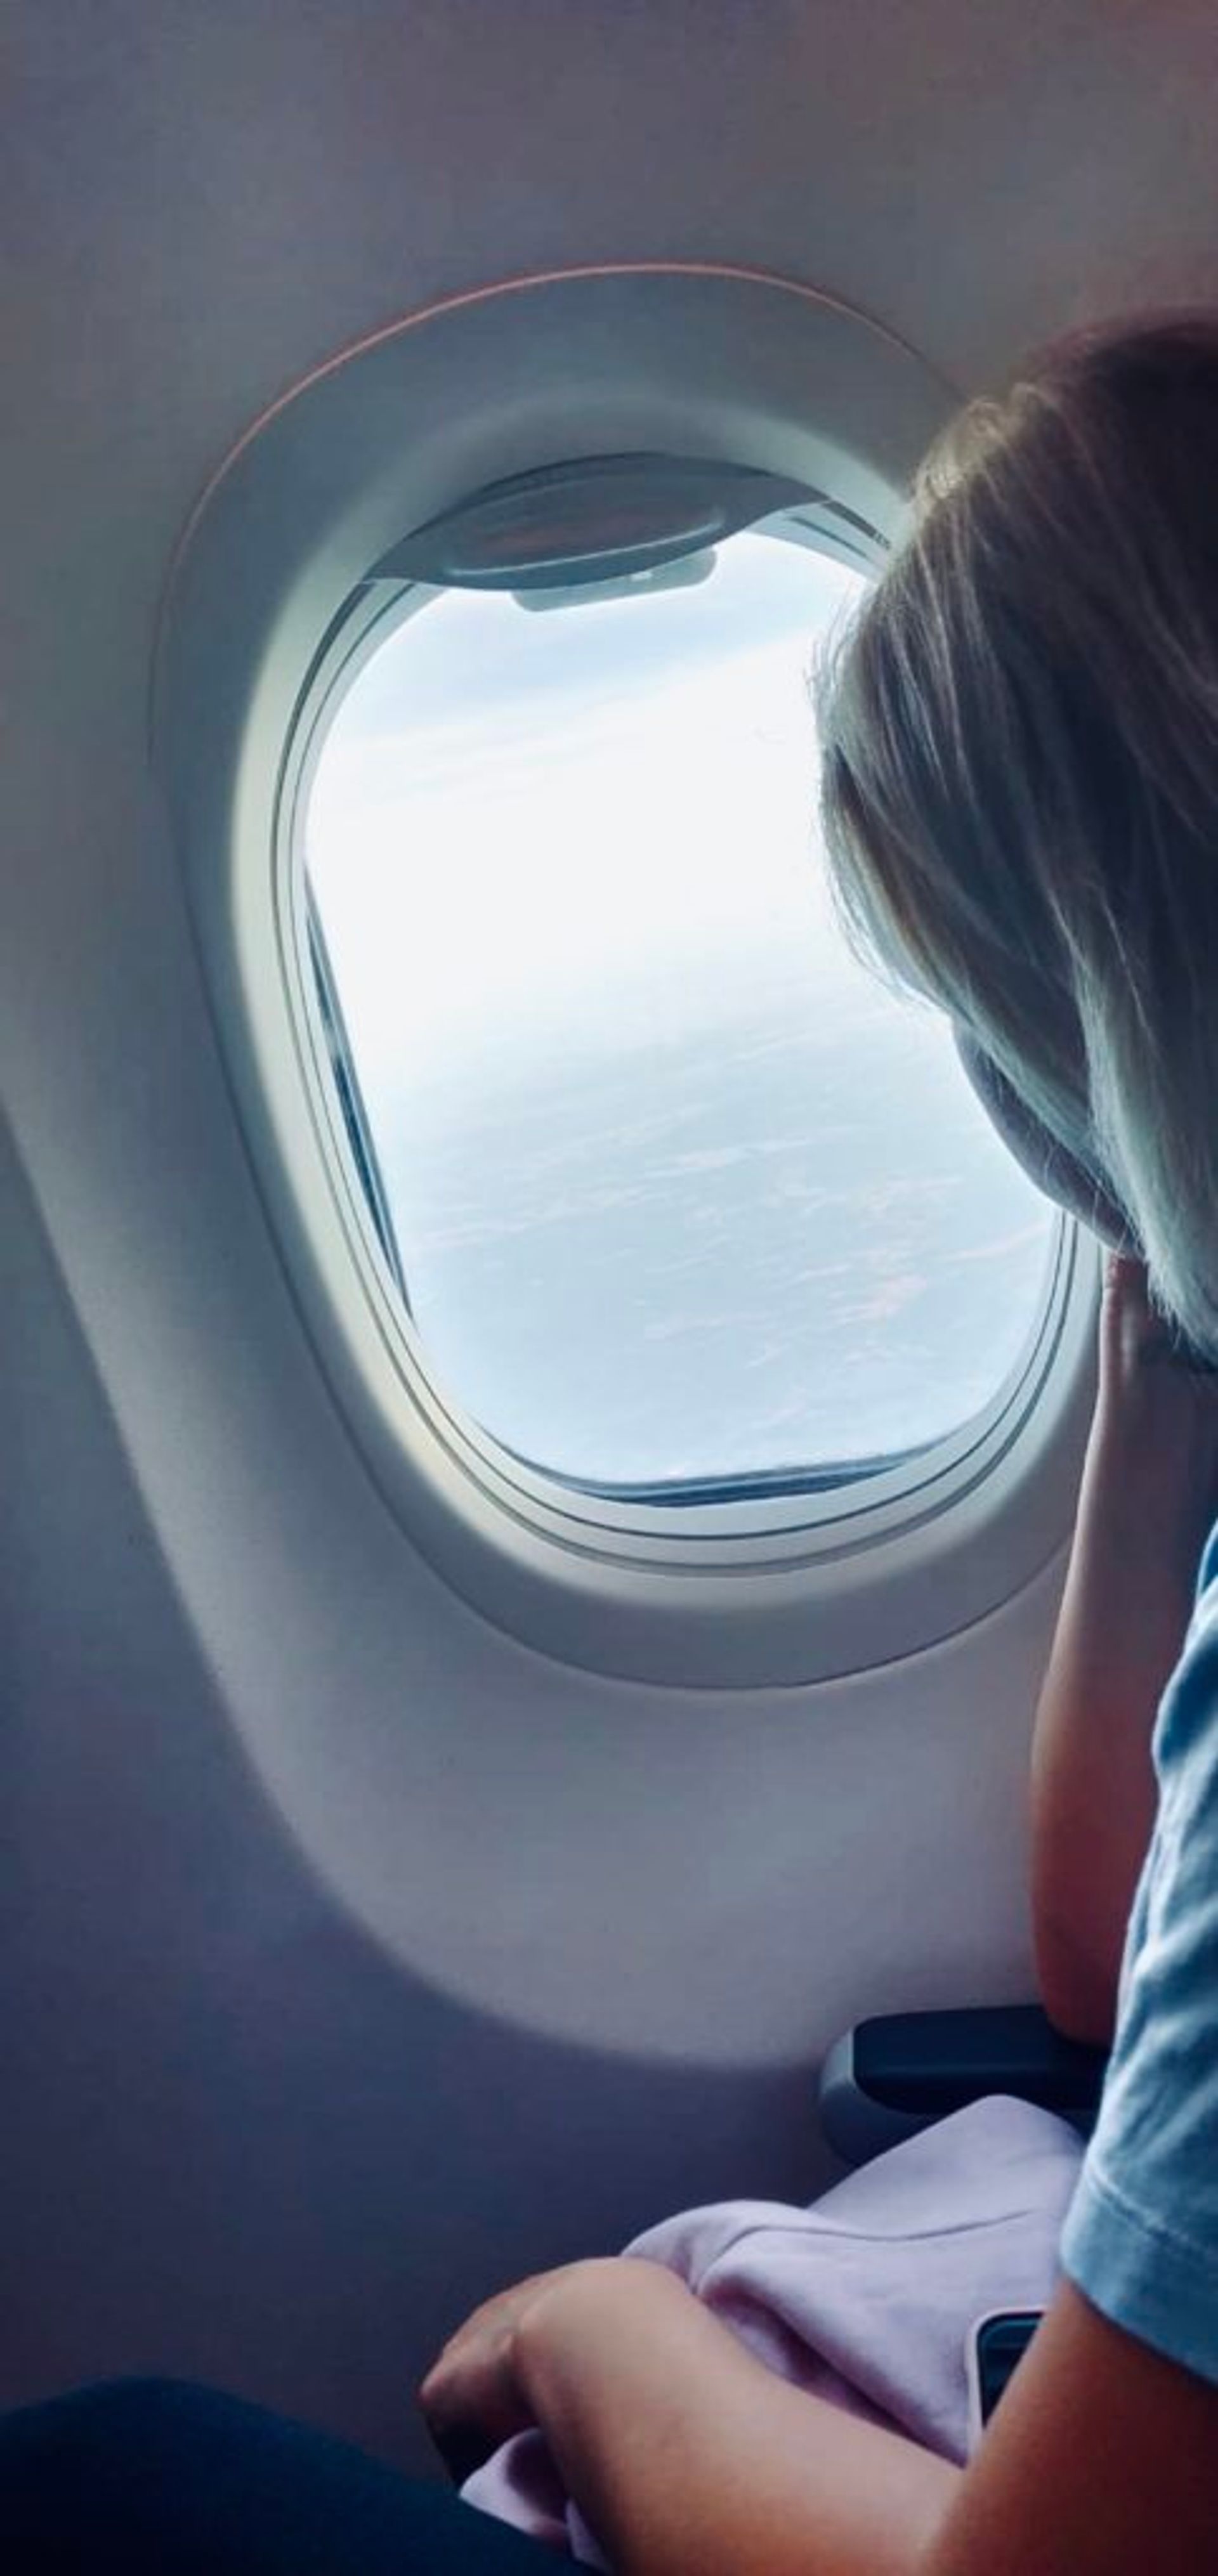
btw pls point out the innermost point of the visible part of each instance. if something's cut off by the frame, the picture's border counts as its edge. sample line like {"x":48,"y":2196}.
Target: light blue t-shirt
{"x":1141,"y":2236}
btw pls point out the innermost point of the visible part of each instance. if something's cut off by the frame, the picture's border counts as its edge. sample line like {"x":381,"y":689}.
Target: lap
{"x":159,"y":2478}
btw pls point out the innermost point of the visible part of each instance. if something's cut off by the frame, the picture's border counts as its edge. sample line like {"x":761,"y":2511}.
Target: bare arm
{"x":689,"y":2459}
{"x":686,"y":2456}
{"x":1149,"y":1494}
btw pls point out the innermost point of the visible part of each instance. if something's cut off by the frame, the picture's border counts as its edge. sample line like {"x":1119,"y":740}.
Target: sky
{"x":526,"y":825}
{"x":670,"y":1173}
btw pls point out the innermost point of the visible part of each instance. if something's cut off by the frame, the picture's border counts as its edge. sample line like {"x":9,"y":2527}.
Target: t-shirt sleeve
{"x":1141,"y":2235}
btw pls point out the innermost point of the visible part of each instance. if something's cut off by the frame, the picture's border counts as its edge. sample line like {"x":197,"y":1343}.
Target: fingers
{"x":1138,"y":1343}
{"x":470,"y":2397}
{"x":462,"y":2447}
{"x":1126,"y":1277}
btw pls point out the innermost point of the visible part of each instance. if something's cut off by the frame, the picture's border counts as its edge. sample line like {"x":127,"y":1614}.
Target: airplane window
{"x":679,"y":1199}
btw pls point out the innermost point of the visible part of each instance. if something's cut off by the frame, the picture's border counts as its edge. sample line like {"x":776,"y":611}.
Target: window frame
{"x":756,"y":1590}
{"x":762,"y":1504}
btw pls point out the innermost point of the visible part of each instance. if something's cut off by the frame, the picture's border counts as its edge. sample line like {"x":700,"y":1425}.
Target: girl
{"x":1020,"y":793}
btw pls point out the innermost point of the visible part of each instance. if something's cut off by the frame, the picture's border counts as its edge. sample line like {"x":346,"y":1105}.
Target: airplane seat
{"x":900,"y":2072}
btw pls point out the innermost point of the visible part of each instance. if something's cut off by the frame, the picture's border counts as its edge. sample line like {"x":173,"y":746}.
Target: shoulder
{"x":1141,"y":2236}
{"x":1207,"y":1576}
{"x":1186,"y":1737}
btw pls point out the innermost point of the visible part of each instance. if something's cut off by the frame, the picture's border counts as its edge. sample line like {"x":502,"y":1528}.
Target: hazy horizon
{"x":679,"y":1191}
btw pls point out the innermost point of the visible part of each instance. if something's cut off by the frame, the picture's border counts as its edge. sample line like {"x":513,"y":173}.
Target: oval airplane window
{"x":683,"y":1205}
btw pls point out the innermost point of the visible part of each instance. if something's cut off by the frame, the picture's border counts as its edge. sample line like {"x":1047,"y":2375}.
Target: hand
{"x":1132,"y":1336}
{"x":1152,"y":1467}
{"x":1156,"y":1419}
{"x":472,"y":2397}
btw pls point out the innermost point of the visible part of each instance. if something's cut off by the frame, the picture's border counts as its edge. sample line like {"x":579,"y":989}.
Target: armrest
{"x":892,"y":2076}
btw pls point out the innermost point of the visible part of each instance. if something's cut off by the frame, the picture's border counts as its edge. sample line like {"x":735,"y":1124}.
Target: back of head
{"x":1020,"y":767}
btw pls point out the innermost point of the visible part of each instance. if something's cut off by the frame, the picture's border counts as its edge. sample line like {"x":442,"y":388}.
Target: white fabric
{"x":867,"y":2298}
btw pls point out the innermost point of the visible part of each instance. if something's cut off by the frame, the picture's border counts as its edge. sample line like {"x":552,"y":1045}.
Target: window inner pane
{"x":679,"y":1193}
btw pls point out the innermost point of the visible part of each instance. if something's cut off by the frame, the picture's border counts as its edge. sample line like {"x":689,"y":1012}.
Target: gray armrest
{"x":892,"y":2076}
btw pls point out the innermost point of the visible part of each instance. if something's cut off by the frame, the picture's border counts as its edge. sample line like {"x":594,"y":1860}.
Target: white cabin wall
{"x":244,"y":2139}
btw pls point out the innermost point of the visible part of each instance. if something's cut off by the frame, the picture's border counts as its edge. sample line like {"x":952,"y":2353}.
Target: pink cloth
{"x":866,"y":2298}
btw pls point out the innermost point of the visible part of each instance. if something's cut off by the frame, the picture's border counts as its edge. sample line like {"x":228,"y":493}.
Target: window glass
{"x":679,"y":1194}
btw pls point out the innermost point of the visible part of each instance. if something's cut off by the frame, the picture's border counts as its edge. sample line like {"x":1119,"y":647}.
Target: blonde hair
{"x":1020,"y":766}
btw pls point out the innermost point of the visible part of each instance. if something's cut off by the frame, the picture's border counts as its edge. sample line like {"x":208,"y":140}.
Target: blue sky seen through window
{"x":679,"y":1191}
